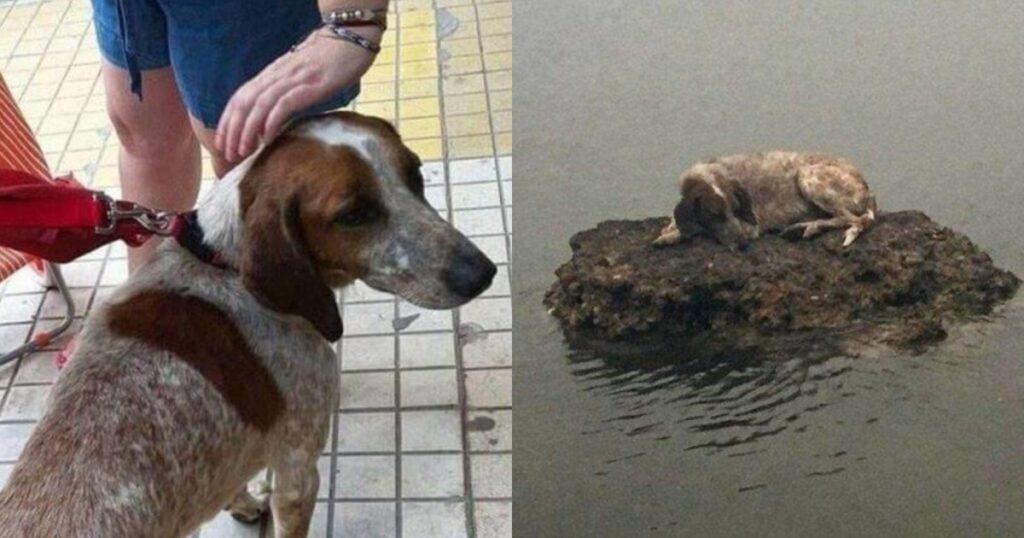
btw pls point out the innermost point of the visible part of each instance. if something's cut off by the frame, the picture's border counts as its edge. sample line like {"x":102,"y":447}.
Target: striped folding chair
{"x":20,"y":151}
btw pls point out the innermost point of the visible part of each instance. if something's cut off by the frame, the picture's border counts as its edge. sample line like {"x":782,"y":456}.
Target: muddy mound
{"x":900,"y":282}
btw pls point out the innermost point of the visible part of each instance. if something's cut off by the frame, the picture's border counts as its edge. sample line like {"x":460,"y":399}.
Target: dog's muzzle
{"x":469,"y":274}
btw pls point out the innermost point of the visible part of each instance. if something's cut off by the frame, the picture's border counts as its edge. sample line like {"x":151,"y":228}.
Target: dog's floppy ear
{"x":277,"y":266}
{"x":683,"y":211}
{"x":707,"y":202}
{"x":390,"y":127}
{"x":743,"y":207}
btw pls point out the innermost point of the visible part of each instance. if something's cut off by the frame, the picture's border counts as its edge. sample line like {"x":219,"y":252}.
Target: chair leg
{"x":42,"y":339}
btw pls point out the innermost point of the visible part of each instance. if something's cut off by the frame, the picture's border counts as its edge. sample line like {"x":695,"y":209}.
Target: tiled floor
{"x":422,"y":443}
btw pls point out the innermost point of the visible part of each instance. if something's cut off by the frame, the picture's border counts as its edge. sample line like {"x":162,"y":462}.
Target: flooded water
{"x":614,"y":102}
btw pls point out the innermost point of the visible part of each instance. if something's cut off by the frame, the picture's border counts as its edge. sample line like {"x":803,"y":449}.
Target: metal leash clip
{"x":158,"y":222}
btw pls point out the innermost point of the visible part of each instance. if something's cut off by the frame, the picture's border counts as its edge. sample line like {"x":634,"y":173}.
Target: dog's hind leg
{"x":838,"y":190}
{"x":814,"y":227}
{"x":857,"y":225}
{"x":252,"y":503}
{"x":851,"y":235}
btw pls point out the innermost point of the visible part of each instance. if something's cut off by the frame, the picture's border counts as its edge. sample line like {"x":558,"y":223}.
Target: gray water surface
{"x":614,"y":99}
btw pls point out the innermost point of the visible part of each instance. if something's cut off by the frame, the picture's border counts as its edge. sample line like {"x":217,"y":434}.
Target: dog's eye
{"x":356,"y":215}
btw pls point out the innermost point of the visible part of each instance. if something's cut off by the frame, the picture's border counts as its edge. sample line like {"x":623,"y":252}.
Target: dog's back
{"x":122,"y":467}
{"x":157,"y":445}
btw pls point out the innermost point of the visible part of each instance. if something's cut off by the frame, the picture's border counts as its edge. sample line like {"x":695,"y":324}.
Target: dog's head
{"x":337,"y":198}
{"x":716,"y":207}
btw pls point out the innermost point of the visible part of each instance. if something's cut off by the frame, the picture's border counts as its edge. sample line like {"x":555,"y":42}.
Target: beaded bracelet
{"x":358,"y":17}
{"x":338,"y":19}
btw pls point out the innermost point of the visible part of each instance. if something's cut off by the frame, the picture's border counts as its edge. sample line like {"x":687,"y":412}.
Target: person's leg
{"x":159,"y":162}
{"x":205,"y":135}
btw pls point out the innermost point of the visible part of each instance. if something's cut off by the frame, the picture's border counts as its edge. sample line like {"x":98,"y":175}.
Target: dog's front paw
{"x":667,"y":239}
{"x":251,"y":504}
{"x":668,"y":236}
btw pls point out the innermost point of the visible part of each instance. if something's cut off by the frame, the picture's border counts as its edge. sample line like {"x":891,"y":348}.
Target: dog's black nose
{"x":470,"y":274}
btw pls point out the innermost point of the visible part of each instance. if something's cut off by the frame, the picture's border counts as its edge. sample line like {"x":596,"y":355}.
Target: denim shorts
{"x":213,"y":46}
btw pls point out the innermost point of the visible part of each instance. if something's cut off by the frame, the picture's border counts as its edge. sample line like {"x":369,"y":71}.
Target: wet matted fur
{"x":738,"y":197}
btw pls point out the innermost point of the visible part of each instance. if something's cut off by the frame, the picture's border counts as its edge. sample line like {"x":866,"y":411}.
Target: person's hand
{"x":318,"y":68}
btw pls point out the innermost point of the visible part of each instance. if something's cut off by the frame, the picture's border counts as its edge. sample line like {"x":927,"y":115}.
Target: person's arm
{"x":317,"y":68}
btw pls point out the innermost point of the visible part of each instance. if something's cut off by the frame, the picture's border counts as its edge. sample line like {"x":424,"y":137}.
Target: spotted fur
{"x":737,"y":198}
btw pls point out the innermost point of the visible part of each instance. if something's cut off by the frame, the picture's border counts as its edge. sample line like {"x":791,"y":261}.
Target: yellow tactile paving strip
{"x":450,"y":97}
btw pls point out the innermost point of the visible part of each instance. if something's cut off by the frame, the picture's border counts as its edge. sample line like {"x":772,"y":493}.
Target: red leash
{"x":63,"y":220}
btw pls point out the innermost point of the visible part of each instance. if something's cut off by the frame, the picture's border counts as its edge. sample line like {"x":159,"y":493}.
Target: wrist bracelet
{"x":338,"y":32}
{"x":358,"y":17}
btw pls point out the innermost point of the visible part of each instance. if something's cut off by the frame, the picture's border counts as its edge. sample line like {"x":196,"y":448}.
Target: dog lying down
{"x":737,"y":198}
{"x":195,"y":375}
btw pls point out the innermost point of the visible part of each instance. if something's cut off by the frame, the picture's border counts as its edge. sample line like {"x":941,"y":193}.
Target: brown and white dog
{"x":192,"y":378}
{"x":737,"y":198}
